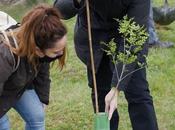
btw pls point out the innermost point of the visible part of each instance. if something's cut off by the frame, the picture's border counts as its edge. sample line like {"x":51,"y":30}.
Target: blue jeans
{"x":151,"y":28}
{"x":31,"y":110}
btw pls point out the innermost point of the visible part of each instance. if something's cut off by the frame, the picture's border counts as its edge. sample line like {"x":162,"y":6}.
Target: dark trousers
{"x":140,"y":104}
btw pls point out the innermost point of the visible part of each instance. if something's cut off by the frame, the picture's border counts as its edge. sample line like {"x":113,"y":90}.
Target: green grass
{"x":70,"y":104}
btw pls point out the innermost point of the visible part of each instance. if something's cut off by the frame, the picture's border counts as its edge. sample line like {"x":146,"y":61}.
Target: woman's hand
{"x":111,"y":102}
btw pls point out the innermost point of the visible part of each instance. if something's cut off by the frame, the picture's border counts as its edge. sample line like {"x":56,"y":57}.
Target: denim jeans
{"x":31,"y":110}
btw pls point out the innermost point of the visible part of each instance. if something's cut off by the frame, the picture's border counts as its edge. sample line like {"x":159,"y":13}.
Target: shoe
{"x":159,"y":44}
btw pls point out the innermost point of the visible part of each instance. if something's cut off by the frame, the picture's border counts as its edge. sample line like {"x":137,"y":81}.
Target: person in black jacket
{"x":104,"y":28}
{"x":25,"y":54}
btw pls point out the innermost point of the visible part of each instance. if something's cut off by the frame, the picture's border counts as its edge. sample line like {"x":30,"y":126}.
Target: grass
{"x":70,"y":104}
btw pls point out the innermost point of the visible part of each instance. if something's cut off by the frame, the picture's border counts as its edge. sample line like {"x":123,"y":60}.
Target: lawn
{"x":70,"y":104}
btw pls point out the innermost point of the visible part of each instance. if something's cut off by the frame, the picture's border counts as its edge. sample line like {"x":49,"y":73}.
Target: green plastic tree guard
{"x":101,"y":121}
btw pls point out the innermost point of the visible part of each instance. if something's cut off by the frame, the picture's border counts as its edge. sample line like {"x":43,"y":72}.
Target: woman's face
{"x":57,"y":50}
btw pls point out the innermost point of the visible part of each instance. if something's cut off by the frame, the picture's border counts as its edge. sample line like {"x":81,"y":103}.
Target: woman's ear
{"x":39,"y":52}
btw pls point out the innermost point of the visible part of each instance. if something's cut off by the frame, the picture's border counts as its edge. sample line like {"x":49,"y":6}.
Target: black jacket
{"x":104,"y":27}
{"x":13,"y":84}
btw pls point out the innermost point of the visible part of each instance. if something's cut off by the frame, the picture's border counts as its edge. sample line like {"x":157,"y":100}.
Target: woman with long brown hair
{"x":25,"y":54}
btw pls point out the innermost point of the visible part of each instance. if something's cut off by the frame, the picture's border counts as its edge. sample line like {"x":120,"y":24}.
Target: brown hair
{"x":41,"y":27}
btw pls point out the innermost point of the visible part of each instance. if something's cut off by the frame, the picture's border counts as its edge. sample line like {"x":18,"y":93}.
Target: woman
{"x":25,"y":54}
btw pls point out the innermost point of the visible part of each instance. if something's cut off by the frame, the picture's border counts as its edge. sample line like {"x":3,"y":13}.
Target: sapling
{"x":134,"y":36}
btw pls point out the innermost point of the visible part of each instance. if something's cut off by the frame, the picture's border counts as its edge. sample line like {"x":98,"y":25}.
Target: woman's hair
{"x":41,"y":27}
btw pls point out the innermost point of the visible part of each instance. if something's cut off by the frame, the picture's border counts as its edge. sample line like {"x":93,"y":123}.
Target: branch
{"x":131,"y":73}
{"x":120,"y":79}
{"x":113,"y":58}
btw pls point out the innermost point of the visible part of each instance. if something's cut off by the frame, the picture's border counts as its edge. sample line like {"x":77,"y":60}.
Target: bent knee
{"x":37,"y":117}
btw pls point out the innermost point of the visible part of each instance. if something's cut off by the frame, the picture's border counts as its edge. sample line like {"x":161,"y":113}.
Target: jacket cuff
{"x":44,"y":99}
{"x":43,"y":95}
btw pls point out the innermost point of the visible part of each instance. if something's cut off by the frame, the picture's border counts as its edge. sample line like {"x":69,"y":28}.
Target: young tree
{"x":134,"y":37}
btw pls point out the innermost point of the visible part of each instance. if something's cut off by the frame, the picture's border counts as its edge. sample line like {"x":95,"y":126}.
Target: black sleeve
{"x":42,"y":83}
{"x":139,"y":10}
{"x":6,"y":64}
{"x":68,"y":8}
